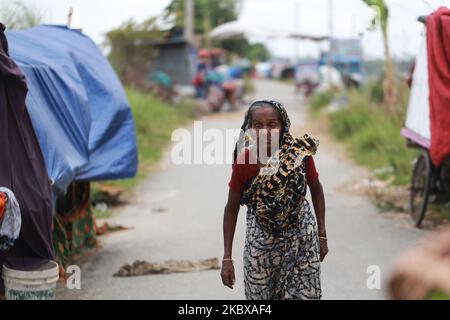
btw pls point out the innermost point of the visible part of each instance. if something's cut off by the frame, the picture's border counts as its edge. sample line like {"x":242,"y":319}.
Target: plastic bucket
{"x":37,"y":284}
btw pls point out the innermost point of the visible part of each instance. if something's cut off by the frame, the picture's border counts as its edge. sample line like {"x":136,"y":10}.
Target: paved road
{"x":177,"y":214}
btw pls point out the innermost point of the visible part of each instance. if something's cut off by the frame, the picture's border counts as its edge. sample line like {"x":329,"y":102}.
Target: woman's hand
{"x":227,"y":273}
{"x":323,"y":248}
{"x":229,"y":224}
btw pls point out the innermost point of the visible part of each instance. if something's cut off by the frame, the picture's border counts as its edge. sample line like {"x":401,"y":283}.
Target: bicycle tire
{"x":422,"y":170}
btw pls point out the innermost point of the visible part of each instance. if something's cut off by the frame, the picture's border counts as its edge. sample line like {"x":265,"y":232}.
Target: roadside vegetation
{"x":154,"y":122}
{"x":372,"y":134}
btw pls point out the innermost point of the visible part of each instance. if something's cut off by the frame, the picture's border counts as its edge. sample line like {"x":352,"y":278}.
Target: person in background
{"x":162,"y":85}
{"x":199,"y":81}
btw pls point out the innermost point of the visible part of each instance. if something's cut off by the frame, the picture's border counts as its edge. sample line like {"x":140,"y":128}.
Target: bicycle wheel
{"x":420,"y":188}
{"x":444,"y":178}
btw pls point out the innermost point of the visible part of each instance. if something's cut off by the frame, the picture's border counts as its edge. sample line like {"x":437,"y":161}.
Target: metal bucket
{"x":37,"y":284}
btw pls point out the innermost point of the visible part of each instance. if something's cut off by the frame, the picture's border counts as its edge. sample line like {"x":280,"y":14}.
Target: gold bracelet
{"x":228,"y":260}
{"x":323,"y":238}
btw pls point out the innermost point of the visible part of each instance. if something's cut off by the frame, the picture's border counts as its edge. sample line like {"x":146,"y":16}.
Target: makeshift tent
{"x":438,"y":50}
{"x":83,"y":127}
{"x":23,"y":170}
{"x":428,"y":117}
{"x":77,"y":105}
{"x":417,"y":124}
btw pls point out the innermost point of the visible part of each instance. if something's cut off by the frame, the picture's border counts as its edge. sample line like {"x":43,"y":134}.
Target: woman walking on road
{"x":285,"y":243}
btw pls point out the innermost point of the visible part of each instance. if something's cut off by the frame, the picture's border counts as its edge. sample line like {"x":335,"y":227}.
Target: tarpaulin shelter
{"x":80,"y":125}
{"x":417,"y":123}
{"x":438,"y":49}
{"x":428,"y":117}
{"x":23,"y":170}
{"x":77,"y":105}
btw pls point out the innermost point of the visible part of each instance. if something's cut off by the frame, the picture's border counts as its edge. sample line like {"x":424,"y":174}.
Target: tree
{"x":215,"y":11}
{"x":18,"y":15}
{"x":208,"y":14}
{"x":129,"y":46}
{"x":381,"y":19}
{"x":241,"y":47}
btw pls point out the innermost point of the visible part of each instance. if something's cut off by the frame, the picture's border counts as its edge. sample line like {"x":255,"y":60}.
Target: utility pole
{"x":296,"y":25}
{"x":207,"y":28}
{"x":74,"y":19}
{"x":69,"y":17}
{"x":189,"y":20}
{"x":330,"y":50}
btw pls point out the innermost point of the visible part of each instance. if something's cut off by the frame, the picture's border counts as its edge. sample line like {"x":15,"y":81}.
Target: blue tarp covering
{"x":77,"y":105}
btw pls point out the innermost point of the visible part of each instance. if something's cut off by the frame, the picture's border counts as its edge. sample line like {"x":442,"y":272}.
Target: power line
{"x":429,"y":5}
{"x":408,"y":9}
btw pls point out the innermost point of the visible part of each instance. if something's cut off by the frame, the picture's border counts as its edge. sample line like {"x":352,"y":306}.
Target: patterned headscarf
{"x":285,"y":122}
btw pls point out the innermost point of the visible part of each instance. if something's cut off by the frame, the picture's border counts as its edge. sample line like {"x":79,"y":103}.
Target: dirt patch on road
{"x":140,"y":268}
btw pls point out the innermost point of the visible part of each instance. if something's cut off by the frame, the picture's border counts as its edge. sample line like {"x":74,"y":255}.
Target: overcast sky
{"x":350,"y":19}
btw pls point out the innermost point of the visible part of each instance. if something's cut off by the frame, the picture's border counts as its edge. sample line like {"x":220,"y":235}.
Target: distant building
{"x":346,"y":56}
{"x":175,"y":57}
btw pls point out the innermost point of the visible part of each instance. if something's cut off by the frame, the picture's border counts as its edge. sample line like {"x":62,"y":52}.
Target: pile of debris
{"x":140,"y":268}
{"x":386,"y":196}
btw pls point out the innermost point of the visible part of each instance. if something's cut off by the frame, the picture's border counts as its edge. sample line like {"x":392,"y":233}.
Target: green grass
{"x":438,"y":213}
{"x":371,"y":134}
{"x":436,"y":295}
{"x":154,"y":122}
{"x":101,"y":214}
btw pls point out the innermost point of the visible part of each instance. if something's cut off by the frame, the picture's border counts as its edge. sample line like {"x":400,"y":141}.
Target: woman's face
{"x":266,"y":121}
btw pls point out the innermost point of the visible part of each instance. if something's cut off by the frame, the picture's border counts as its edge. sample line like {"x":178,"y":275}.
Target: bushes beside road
{"x":371,"y":134}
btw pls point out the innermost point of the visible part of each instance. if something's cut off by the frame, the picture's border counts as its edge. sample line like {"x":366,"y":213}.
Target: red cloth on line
{"x":2,"y":205}
{"x":243,"y":172}
{"x":438,"y":48}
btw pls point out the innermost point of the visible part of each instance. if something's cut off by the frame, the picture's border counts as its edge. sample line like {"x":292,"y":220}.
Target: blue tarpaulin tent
{"x":77,"y":105}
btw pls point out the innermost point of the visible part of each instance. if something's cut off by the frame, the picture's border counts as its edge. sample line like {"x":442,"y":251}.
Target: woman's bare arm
{"x":229,"y":226}
{"x":229,"y":221}
{"x":318,"y":200}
